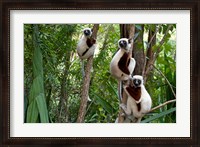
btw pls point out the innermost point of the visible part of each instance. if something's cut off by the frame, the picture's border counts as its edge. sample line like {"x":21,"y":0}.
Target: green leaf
{"x":32,"y":113}
{"x":104,"y":104}
{"x":25,"y":105}
{"x":36,"y":89}
{"x":152,"y":27}
{"x":139,"y":27}
{"x":155,"y":47}
{"x":159,"y":115}
{"x":42,"y":107}
{"x":113,"y":89}
{"x":136,"y":35}
{"x":37,"y":104}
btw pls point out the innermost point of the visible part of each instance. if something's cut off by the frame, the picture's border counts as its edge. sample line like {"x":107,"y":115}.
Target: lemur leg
{"x":126,"y":109}
{"x":89,"y":99}
{"x":131,"y":66}
{"x":139,"y":120}
{"x":120,"y":90}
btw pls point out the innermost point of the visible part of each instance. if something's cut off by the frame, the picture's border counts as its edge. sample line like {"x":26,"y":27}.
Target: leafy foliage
{"x":37,"y":109}
{"x":53,"y":79}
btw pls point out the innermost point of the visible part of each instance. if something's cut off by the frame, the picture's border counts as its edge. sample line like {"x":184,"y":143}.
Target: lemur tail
{"x":120,"y":86}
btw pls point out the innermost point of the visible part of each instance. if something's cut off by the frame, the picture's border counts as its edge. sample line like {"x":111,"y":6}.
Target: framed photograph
{"x":99,"y":73}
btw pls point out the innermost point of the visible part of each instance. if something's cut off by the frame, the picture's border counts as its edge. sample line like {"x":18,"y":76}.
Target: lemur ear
{"x":92,"y":29}
{"x":130,"y":40}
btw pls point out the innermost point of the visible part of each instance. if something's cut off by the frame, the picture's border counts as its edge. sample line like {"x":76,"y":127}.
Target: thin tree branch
{"x":148,"y":45}
{"x":145,"y":62}
{"x":157,"y":29}
{"x":162,"y":41}
{"x":162,"y":105}
{"x":105,"y":43}
{"x":138,"y":51}
{"x":156,"y":54}
{"x":86,"y":82}
{"x":106,"y":36}
{"x":165,"y":79}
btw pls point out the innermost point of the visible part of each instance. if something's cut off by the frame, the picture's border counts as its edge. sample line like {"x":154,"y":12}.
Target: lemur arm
{"x":126,"y":108}
{"x":90,"y":42}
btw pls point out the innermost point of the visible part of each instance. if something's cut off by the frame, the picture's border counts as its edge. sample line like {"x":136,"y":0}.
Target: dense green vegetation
{"x":53,"y":78}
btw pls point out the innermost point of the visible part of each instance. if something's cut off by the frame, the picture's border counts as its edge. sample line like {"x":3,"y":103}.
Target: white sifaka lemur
{"x":139,"y":101}
{"x":86,"y":47}
{"x":122,"y":64}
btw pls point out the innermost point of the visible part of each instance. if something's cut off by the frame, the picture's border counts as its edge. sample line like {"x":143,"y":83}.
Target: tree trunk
{"x":64,"y":97}
{"x":138,"y":51}
{"x":153,"y":54}
{"x":104,"y":46}
{"x":86,"y":82}
{"x":150,"y":53}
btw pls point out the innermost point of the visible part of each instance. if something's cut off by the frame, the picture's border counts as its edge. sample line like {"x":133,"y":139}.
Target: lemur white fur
{"x":115,"y":70}
{"x":85,"y":51}
{"x":86,"y":48}
{"x":122,"y":65}
{"x":144,"y":101}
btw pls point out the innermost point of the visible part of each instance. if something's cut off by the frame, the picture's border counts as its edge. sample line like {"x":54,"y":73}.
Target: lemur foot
{"x":123,"y":106}
{"x":122,"y":114}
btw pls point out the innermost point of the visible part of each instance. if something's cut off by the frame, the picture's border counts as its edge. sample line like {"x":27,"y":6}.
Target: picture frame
{"x":6,"y":7}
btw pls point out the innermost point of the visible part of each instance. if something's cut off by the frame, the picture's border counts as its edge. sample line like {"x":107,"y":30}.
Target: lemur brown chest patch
{"x":90,"y":42}
{"x":138,"y":106}
{"x":134,"y":92}
{"x":123,"y":63}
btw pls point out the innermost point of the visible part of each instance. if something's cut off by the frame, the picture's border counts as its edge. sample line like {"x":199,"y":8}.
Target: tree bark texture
{"x":153,"y":54}
{"x":86,"y":82}
{"x":138,"y":51}
{"x":150,"y":53}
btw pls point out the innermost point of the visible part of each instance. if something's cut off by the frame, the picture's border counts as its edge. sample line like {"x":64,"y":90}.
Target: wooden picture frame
{"x":6,"y":6}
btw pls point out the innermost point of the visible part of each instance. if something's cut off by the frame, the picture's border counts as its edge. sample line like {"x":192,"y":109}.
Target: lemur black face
{"x":87,"y":32}
{"x":123,"y":44}
{"x":137,"y":82}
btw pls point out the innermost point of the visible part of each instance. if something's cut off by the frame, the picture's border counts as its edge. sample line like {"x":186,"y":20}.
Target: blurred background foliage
{"x":53,"y":79}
